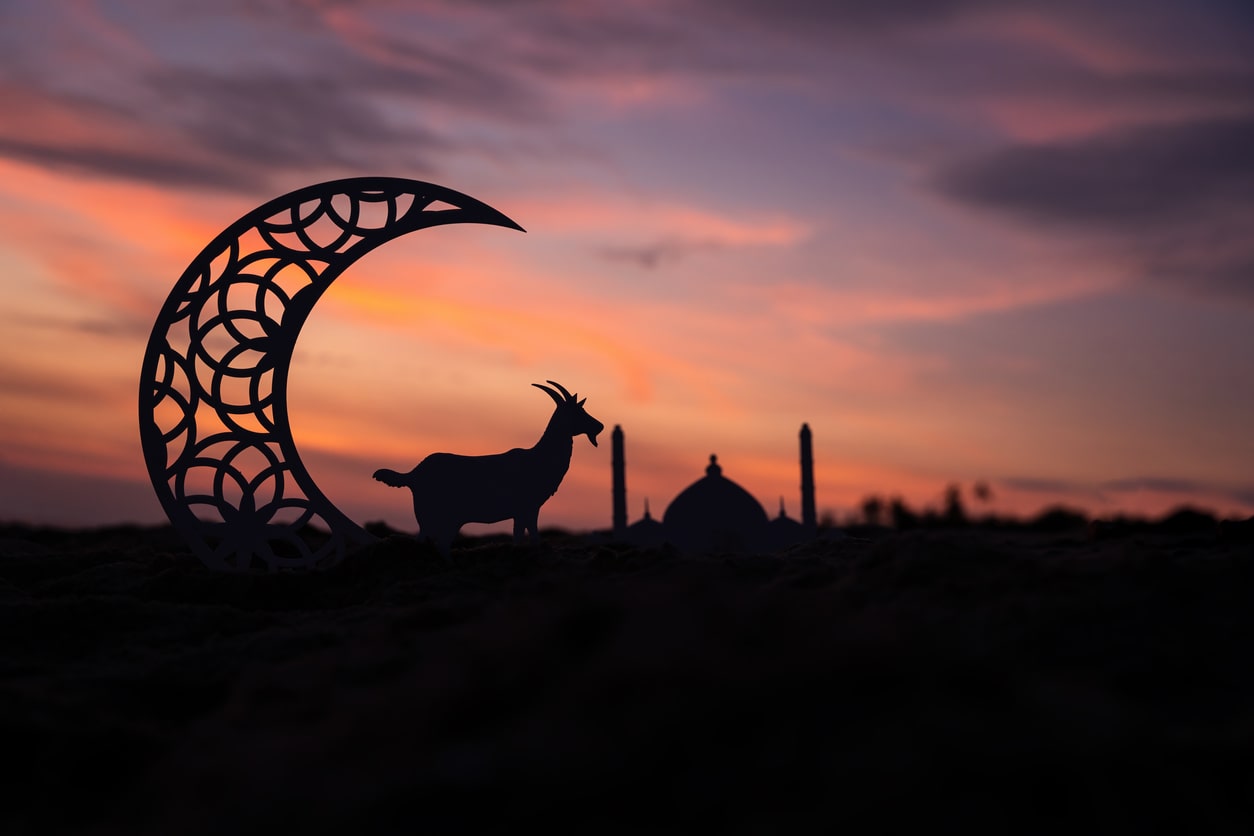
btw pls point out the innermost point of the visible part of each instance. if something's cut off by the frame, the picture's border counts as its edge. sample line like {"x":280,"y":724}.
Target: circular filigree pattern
{"x":213,"y":394}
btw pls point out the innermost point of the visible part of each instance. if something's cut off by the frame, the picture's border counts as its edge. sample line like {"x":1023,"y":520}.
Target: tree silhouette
{"x":901,"y":515}
{"x":873,"y":510}
{"x":954,"y":514}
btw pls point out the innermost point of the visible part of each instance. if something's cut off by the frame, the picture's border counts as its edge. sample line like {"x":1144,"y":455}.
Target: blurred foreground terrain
{"x":996,"y":681}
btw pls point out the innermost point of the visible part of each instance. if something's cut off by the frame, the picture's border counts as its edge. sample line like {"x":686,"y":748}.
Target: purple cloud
{"x":1176,"y":198}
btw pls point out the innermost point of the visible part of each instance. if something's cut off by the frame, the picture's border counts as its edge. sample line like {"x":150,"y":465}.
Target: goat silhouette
{"x":451,"y":490}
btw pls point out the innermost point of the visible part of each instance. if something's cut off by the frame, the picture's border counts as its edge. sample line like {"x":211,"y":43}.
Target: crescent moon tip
{"x":496,"y":218}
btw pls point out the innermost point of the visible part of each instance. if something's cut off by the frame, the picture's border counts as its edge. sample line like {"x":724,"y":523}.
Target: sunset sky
{"x":964,"y":240}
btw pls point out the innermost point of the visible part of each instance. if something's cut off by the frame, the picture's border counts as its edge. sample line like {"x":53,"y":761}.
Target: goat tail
{"x":392,"y":478}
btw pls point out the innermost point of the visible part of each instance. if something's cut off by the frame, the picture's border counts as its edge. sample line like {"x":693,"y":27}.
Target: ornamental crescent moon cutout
{"x":213,"y":415}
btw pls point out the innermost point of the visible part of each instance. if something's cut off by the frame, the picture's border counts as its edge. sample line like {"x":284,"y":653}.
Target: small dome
{"x":715,"y":514}
{"x":784,"y":531}
{"x":646,"y":531}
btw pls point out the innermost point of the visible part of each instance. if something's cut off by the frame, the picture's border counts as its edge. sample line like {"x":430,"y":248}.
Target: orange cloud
{"x":121,"y":244}
{"x":487,"y":324}
{"x":834,"y":304}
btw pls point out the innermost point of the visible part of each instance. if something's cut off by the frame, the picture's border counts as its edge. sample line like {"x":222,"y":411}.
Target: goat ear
{"x":581,"y":403}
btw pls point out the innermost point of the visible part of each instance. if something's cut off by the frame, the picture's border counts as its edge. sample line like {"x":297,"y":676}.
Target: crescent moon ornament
{"x":213,"y":418}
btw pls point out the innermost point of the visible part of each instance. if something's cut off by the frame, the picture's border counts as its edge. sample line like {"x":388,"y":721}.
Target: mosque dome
{"x":715,"y":514}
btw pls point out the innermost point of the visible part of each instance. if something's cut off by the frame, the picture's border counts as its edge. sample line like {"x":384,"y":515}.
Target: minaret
{"x":809,"y":518}
{"x":620,"y":483}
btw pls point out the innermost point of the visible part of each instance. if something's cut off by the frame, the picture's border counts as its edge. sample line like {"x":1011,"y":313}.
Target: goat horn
{"x":560,"y":388}
{"x":556,"y":397}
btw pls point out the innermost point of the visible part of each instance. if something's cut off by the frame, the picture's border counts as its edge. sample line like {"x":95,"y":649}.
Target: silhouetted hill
{"x":995,"y":681}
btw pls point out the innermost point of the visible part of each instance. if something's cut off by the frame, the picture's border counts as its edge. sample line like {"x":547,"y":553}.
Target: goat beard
{"x":592,"y":437}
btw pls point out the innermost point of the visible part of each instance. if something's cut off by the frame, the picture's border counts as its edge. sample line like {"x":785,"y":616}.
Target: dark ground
{"x":991,"y":682}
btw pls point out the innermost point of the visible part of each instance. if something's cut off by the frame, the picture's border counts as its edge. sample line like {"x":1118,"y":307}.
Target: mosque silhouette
{"x":714,"y":514}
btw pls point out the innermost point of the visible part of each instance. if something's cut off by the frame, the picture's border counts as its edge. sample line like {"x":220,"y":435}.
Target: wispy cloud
{"x":696,"y":232}
{"x":1174,"y":198}
{"x":1156,"y":175}
{"x":1150,"y":495}
{"x":1242,"y":494}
